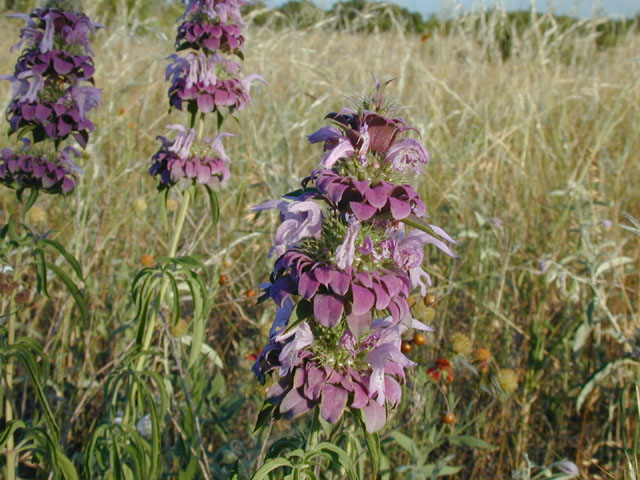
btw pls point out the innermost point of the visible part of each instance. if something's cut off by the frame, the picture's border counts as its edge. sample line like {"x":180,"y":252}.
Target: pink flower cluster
{"x":177,"y":161}
{"x":345,"y":268}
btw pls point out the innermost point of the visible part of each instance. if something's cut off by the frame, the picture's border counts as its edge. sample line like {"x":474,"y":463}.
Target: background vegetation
{"x":533,"y":123}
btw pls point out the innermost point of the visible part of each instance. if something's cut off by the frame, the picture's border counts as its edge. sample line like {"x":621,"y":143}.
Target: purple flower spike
{"x":351,"y":272}
{"x":50,"y":95}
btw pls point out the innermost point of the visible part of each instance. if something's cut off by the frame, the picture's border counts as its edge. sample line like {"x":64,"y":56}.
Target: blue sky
{"x":579,"y":8}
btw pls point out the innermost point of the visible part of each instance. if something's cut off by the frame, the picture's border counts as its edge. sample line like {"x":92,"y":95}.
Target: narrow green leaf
{"x":470,"y":441}
{"x":598,"y":377}
{"x":175,"y":314}
{"x":344,"y":459}
{"x":373,"y":444}
{"x":67,"y":256}
{"x":73,"y":290}
{"x":197,"y":340}
{"x":41,"y":272}
{"x":189,"y":261}
{"x":266,"y":413}
{"x":33,"y":196}
{"x":22,"y":352}
{"x":9,"y":431}
{"x":66,"y":467}
{"x":434,"y":471}
{"x":270,"y":466}
{"x":406,"y":443}
{"x":213,"y":203}
{"x":205,"y":350}
{"x":234,"y":471}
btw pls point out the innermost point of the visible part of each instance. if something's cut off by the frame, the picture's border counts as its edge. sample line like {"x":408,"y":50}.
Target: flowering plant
{"x":346,"y":265}
{"x":53,"y":90}
{"x":50,"y":93}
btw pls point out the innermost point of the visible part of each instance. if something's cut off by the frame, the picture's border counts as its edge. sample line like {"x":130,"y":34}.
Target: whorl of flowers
{"x":53,"y":90}
{"x":204,"y":80}
{"x":187,"y":161}
{"x":53,"y":78}
{"x":26,"y":168}
{"x":346,"y":263}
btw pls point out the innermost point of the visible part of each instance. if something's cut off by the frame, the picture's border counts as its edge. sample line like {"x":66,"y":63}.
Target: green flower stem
{"x":173,"y":248}
{"x":65,"y":340}
{"x":10,"y":467}
{"x":12,"y":456}
{"x":314,"y":430}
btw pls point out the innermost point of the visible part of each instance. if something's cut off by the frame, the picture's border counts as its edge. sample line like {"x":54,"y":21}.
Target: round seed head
{"x":430,"y":300}
{"x":140,"y":205}
{"x":419,"y":339}
{"x":461,"y":344}
{"x":483,"y":355}
{"x":180,"y":328}
{"x":37,"y":215}
{"x":147,"y":260}
{"x":449,"y":418}
{"x":508,"y":380}
{"x":22,"y":298}
{"x":172,"y":204}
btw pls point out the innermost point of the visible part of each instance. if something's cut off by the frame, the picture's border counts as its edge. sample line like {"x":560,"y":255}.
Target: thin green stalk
{"x":314,"y":430}
{"x":12,"y":455}
{"x":173,"y":247}
{"x":10,"y":467}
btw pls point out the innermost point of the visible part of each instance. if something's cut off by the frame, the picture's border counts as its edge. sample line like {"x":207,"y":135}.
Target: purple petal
{"x":323,"y":274}
{"x":308,"y":285}
{"x":328,"y":309}
{"x":382,"y":297}
{"x":342,"y":150}
{"x":294,"y":404}
{"x":42,"y":113}
{"x":334,"y":400}
{"x":363,"y":299}
{"x":440,"y":232}
{"x":363,"y":211}
{"x":392,"y":390}
{"x":377,"y":196}
{"x":358,"y":324}
{"x":360,"y":396}
{"x":324,"y":134}
{"x":340,"y":282}
{"x":315,"y":381}
{"x":62,"y":67}
{"x":399,"y":208}
{"x":205,"y":102}
{"x":375,"y":416}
